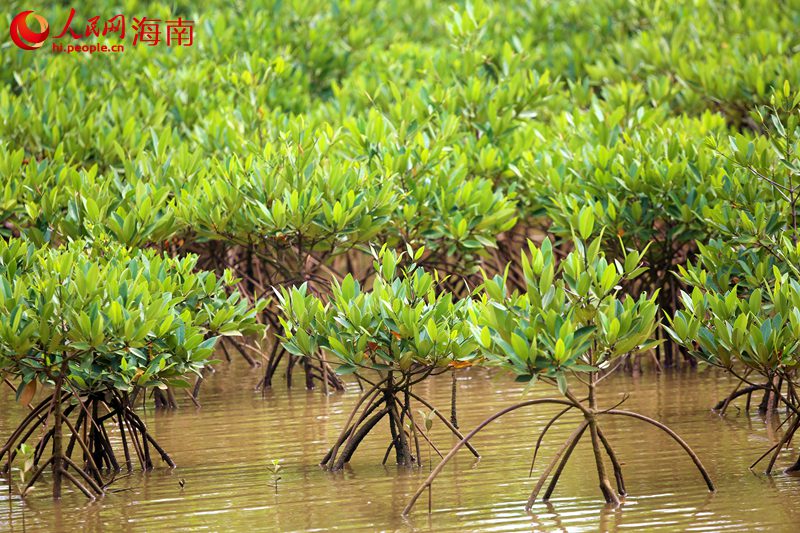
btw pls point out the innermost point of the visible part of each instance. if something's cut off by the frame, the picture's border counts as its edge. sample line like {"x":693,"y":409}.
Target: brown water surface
{"x":223,"y":451}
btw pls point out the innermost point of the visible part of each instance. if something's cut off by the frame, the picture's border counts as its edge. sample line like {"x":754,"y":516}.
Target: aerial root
{"x":465,"y":440}
{"x":568,"y":445}
{"x":554,"y":481}
{"x":600,"y":444}
{"x":542,"y":435}
{"x":448,"y":423}
{"x":87,"y":443}
{"x":614,"y":463}
{"x":723,"y":404}
{"x":675,"y":437}
{"x":776,"y":448}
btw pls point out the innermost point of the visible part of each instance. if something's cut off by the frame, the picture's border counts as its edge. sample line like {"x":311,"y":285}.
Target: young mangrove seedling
{"x":742,"y":313}
{"x":26,"y":455}
{"x":427,"y":419}
{"x":570,"y":321}
{"x":100,"y":327}
{"x":392,"y":337}
{"x":275,"y":468}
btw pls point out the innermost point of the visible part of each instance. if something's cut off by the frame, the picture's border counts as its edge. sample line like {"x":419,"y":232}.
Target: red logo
{"x":23,"y":36}
{"x":143,"y":31}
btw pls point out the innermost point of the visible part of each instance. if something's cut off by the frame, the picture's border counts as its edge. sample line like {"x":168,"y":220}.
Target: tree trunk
{"x":453,"y":408}
{"x":605,"y":486}
{"x":58,"y":446}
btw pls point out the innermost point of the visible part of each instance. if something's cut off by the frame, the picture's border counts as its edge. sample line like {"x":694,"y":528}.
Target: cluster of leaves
{"x":295,"y":136}
{"x":111,"y":318}
{"x":434,"y":121}
{"x":404,"y":323}
{"x":645,"y":175}
{"x":571,"y":316}
{"x":744,"y":306}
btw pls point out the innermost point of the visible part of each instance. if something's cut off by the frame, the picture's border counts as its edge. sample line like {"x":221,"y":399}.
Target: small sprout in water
{"x":275,"y":469}
{"x":427,"y":419}
{"x":27,"y":454}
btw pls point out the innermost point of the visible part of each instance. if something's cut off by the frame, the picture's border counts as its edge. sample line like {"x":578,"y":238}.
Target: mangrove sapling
{"x":427,"y":418}
{"x":26,"y":454}
{"x":749,"y":332}
{"x":743,"y":311}
{"x":96,"y":327}
{"x":391,"y":338}
{"x":570,"y":321}
{"x":279,"y":219}
{"x":645,"y":176}
{"x":275,"y":468}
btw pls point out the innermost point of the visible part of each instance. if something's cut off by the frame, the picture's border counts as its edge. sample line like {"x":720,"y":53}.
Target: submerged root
{"x":600,"y":446}
{"x":392,"y":400}
{"x":75,"y":430}
{"x":315,"y":371}
{"x":738,"y":392}
{"x":565,"y":450}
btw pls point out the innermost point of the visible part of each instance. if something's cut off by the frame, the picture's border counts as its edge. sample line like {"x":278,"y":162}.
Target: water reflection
{"x":224,"y":448}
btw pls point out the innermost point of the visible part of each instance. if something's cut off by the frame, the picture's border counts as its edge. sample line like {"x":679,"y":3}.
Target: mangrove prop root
{"x":38,"y":473}
{"x":91,"y":482}
{"x":413,"y":425}
{"x":723,"y":404}
{"x":605,"y":487}
{"x":783,"y":442}
{"x":453,"y":408}
{"x":350,"y":435}
{"x":557,"y":474}
{"x":614,"y":462}
{"x":389,"y":450}
{"x":322,"y":371}
{"x":766,"y":453}
{"x":391,"y":398}
{"x":87,"y":454}
{"x":88,"y":441}
{"x":675,"y":437}
{"x":560,"y":459}
{"x":58,"y":452}
{"x":358,"y":436}
{"x":427,"y":439}
{"x":401,"y":447}
{"x":446,"y":422}
{"x":543,"y":433}
{"x":77,"y":483}
{"x":348,"y":428}
{"x":465,"y":440}
{"x":35,"y":416}
{"x":568,"y":445}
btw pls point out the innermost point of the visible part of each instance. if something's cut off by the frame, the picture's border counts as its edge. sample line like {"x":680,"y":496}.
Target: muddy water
{"x":223,"y":450}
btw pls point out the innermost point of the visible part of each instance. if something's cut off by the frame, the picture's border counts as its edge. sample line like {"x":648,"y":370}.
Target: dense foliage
{"x":392,"y":337}
{"x":555,"y":187}
{"x":100,"y":326}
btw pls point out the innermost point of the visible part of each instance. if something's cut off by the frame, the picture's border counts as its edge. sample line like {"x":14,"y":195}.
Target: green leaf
{"x":586,"y":222}
{"x":561,"y":380}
